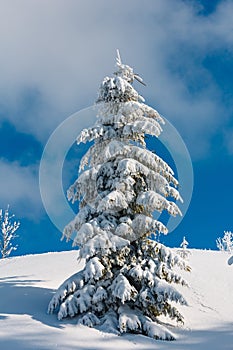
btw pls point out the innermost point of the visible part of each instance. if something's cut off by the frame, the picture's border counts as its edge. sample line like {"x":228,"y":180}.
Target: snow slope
{"x":28,"y":282}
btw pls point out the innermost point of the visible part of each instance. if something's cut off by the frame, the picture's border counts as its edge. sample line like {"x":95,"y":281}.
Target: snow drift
{"x":28,"y":283}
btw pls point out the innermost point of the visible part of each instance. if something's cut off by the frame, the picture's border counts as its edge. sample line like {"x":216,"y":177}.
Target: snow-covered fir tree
{"x":128,"y":280}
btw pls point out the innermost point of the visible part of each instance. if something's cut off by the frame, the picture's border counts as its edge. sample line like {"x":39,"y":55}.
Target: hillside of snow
{"x":27,"y":284}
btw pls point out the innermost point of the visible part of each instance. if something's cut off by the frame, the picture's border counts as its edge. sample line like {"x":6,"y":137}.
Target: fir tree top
{"x":119,"y":88}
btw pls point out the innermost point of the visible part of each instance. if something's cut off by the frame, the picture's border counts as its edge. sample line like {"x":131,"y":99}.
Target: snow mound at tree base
{"x":28,"y":283}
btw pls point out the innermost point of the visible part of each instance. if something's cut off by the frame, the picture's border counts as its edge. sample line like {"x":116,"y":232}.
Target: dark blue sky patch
{"x":70,"y":169}
{"x":40,"y":238}
{"x":17,"y":146}
{"x":185,"y":63}
{"x":219,"y":63}
{"x":204,"y":7}
{"x":209,"y":214}
{"x":208,"y":6}
{"x":156,"y":146}
{"x":189,"y":48}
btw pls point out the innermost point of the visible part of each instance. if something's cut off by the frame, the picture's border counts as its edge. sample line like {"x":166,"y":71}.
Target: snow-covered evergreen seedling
{"x":226,"y":242}
{"x":128,"y":279}
{"x":7,"y":233}
{"x":184,"y":252}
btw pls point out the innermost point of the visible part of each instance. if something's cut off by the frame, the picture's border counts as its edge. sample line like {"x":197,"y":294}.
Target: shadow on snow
{"x":19,"y":296}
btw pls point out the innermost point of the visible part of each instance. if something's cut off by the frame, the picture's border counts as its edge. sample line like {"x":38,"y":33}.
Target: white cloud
{"x":62,"y":49}
{"x":19,"y":188}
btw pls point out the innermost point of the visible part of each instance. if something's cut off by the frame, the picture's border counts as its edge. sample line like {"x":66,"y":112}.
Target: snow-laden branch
{"x":151,"y":201}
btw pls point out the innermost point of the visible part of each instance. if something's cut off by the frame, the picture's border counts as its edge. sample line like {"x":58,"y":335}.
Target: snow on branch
{"x":126,"y":113}
{"x":94,"y":269}
{"x":117,"y":90}
{"x":155,"y":181}
{"x":105,"y":152}
{"x":122,"y":289}
{"x":68,"y":287}
{"x":133,"y":320}
{"x":114,"y":201}
{"x":84,"y":186}
{"x":165,"y":291}
{"x":142,"y":127}
{"x":151,"y":201}
{"x":78,"y":302}
{"x":143,"y":224}
{"x":84,"y":215}
{"x":103,"y":243}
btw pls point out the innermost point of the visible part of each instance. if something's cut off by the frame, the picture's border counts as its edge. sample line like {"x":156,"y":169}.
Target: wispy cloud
{"x":229,"y":140}
{"x":54,"y":55}
{"x":19,"y":188}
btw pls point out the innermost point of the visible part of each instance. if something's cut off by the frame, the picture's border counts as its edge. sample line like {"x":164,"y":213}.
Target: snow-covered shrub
{"x":128,"y":279}
{"x":226,"y":242}
{"x":7,"y":233}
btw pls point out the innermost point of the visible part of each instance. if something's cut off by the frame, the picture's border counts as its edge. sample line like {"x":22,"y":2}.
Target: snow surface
{"x":28,"y":282}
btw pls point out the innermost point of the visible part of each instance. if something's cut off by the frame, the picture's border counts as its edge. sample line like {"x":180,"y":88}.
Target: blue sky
{"x":53,"y":56}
